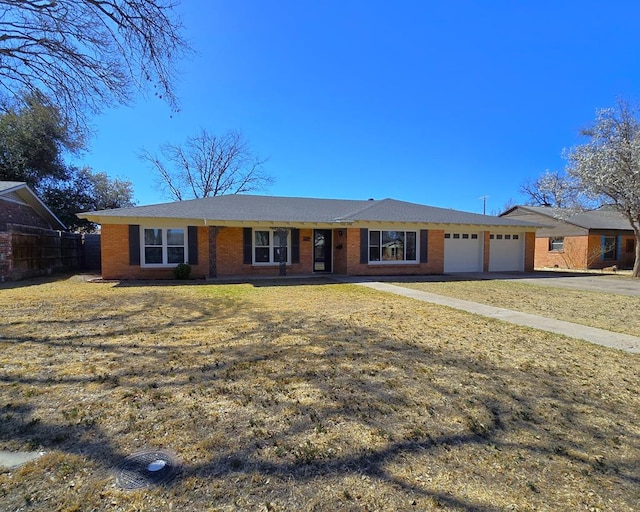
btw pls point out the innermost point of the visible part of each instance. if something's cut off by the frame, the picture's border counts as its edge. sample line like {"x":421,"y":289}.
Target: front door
{"x":322,"y":250}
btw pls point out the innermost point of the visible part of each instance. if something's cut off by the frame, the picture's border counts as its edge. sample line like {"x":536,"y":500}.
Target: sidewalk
{"x":592,"y":334}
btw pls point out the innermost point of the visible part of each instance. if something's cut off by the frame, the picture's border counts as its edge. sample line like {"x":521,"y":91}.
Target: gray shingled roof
{"x":589,"y":219}
{"x":7,"y":185}
{"x":248,"y":208}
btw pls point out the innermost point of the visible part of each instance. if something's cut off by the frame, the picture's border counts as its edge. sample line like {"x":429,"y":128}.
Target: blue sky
{"x":437,"y":103}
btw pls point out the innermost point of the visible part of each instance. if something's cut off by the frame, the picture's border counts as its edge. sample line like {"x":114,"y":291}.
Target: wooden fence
{"x":36,"y":252}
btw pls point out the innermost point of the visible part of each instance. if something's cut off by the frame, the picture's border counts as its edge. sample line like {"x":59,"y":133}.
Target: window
{"x":516,"y":237}
{"x":556,"y":243}
{"x":609,"y":248}
{"x":267,"y":247}
{"x":474,"y":236}
{"x":392,"y":246}
{"x":163,"y":247}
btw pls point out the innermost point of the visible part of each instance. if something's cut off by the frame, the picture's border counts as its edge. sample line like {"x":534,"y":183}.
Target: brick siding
{"x":14,"y":213}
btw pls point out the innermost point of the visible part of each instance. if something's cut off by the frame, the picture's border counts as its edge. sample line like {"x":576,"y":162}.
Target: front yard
{"x":306,"y":396}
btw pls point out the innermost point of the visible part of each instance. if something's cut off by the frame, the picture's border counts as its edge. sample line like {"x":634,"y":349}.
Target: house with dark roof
{"x":250,"y":235}
{"x":576,"y":239}
{"x":19,"y":205}
{"x":32,"y":238}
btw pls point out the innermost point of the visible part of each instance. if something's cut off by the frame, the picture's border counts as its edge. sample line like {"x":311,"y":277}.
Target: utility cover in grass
{"x":147,"y":468}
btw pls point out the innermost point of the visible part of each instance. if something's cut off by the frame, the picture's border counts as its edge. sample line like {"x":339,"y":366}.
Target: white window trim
{"x":144,"y":264}
{"x":393,"y":262}
{"x":272,"y":246}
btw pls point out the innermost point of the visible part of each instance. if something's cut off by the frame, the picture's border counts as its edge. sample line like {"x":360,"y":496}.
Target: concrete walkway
{"x":13,"y":460}
{"x":592,"y":334}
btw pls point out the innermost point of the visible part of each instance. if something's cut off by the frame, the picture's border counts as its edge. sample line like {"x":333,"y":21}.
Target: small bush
{"x":182,"y":271}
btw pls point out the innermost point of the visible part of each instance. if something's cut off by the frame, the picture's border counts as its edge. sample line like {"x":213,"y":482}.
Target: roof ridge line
{"x":369,"y":203}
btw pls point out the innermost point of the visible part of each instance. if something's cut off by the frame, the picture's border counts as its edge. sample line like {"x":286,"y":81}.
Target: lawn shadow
{"x":301,"y":394}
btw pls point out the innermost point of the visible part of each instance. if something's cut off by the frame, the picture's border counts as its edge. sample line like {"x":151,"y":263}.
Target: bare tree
{"x":208,"y":165}
{"x":88,"y":54}
{"x":552,"y":188}
{"x":607,"y":167}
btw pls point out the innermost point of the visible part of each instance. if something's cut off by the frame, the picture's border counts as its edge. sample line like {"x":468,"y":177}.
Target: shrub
{"x":182,"y":271}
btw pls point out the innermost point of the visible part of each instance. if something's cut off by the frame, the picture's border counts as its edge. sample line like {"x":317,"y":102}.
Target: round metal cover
{"x":147,"y":468}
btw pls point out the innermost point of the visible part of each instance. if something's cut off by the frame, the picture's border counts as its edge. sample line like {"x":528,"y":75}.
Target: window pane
{"x":609,"y":248}
{"x":410,"y":249}
{"x":277,"y":240}
{"x":175,"y":237}
{"x":374,"y":253}
{"x":374,"y":238}
{"x":392,"y":245}
{"x":262,"y":239}
{"x":175,"y":254}
{"x":556,"y":244}
{"x":262,"y":254}
{"x":277,"y":252}
{"x":152,"y":237}
{"x":152,"y":255}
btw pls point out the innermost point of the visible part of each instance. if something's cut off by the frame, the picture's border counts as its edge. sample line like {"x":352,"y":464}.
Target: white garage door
{"x":506,"y":252}
{"x":462,"y":252}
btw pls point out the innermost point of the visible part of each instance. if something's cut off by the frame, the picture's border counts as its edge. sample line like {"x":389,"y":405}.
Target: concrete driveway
{"x":607,"y":283}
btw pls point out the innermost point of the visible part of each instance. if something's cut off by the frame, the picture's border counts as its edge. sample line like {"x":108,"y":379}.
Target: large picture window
{"x":268,"y":247}
{"x":392,"y":246}
{"x":163,"y":246}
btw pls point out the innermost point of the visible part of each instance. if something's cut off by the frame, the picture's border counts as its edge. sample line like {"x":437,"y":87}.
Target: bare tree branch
{"x":89,"y":54}
{"x":207,"y":166}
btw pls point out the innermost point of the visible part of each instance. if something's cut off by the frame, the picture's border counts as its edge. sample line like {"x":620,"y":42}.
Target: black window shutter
{"x":134,"y":244}
{"x":247,"y":257}
{"x":295,"y":246}
{"x":192,"y":240}
{"x":424,"y":238}
{"x":364,"y":245}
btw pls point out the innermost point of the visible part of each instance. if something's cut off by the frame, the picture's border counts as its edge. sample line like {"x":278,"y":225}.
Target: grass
{"x":618,"y":313}
{"x":311,"y":396}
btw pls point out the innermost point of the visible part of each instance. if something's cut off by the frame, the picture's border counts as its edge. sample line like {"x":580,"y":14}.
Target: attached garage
{"x":463,"y":252}
{"x":506,"y":252}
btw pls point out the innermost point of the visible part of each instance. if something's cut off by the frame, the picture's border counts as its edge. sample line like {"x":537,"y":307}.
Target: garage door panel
{"x":462,"y":252}
{"x":506,"y":254}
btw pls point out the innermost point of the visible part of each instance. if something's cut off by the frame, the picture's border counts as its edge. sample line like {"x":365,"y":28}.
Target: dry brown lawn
{"x":306,"y":396}
{"x":618,"y":313}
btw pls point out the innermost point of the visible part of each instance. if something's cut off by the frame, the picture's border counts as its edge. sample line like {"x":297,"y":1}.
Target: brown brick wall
{"x":434,"y":265}
{"x":230,"y":256}
{"x":340,"y":251}
{"x":574,"y":254}
{"x":486,"y":250}
{"x":229,"y":247}
{"x":14,"y":213}
{"x":115,"y":256}
{"x":529,"y":251}
{"x":6,"y":256}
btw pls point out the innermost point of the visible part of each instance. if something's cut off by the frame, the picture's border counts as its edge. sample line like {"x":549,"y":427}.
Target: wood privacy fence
{"x":28,"y":252}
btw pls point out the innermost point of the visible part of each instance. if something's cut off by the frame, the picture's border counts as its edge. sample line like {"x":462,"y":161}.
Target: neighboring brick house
{"x":246,"y":235}
{"x":23,"y":217}
{"x":575,"y":239}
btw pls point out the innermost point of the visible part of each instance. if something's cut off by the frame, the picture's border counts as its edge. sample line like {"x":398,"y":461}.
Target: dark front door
{"x":322,"y":250}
